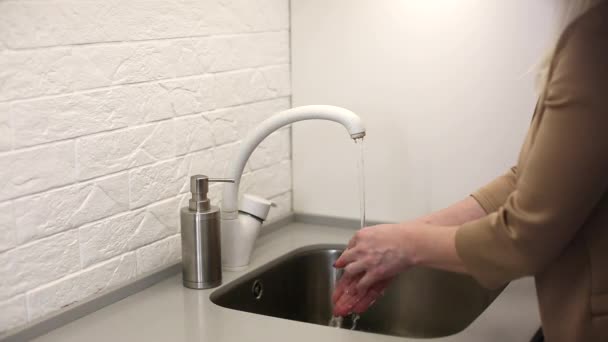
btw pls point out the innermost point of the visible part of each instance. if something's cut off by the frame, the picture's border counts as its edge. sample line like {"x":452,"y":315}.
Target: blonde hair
{"x":570,"y":11}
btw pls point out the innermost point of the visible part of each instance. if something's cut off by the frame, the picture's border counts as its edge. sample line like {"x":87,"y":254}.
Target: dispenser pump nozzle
{"x":199,"y":186}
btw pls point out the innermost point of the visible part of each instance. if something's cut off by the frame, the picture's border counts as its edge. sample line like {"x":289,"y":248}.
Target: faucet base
{"x":238,"y":239}
{"x":234,"y":269}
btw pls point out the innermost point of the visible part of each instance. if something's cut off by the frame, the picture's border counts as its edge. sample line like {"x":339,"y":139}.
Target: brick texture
{"x":106,"y":109}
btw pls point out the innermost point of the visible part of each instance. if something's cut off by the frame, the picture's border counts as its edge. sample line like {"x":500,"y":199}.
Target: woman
{"x":546,"y":217}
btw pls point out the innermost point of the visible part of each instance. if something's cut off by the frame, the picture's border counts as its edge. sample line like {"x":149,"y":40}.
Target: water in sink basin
{"x":422,"y":303}
{"x":337,"y":321}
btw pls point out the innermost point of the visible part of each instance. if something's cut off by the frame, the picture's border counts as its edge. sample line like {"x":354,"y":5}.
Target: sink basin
{"x":421,"y":303}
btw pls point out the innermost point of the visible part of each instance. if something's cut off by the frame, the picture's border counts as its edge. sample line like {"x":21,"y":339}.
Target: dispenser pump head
{"x":199,"y":186}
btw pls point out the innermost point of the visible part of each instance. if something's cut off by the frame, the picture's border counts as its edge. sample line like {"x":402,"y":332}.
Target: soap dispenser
{"x":201,"y":239}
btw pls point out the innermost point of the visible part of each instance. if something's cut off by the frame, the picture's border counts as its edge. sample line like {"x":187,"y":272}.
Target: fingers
{"x":346,"y":258}
{"x":346,"y":295}
{"x":355,"y":268}
{"x":370,"y":278}
{"x":365,"y":303}
{"x":341,"y":311}
{"x":348,"y":254}
{"x":345,"y":282}
{"x":339,"y":290}
{"x":370,"y":298}
{"x":347,"y":301}
{"x":353,"y":300}
{"x":352,"y":242}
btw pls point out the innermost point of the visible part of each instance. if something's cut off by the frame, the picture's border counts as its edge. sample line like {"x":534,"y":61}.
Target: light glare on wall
{"x":436,"y":7}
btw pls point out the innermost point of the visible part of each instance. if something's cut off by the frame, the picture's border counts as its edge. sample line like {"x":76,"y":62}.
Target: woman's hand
{"x":375,"y":255}
{"x":347,"y":299}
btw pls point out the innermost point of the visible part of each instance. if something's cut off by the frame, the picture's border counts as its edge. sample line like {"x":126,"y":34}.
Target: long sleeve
{"x":563,"y":176}
{"x":493,"y":195}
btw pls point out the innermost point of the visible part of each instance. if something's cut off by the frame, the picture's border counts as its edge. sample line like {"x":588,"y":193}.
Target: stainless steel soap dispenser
{"x":201,"y":240}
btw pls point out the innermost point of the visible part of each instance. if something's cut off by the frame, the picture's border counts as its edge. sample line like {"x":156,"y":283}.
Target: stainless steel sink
{"x":421,"y":303}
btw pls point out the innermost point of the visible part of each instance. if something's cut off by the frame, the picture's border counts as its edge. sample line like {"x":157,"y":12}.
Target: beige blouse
{"x":548,"y":216}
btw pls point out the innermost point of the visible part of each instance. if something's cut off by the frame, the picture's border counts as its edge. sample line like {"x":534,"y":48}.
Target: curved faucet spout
{"x":348,"y":119}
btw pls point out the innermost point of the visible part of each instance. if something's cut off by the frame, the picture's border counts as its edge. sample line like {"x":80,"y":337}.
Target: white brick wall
{"x":106,"y":109}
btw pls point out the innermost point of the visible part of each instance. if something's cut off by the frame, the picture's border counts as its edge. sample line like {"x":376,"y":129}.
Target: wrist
{"x":410,"y":233}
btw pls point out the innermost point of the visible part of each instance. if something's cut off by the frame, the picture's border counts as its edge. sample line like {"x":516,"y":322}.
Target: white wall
{"x":441,"y":85}
{"x":106,"y":108}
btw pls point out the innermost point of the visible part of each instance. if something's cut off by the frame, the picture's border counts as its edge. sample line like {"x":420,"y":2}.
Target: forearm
{"x":459,"y":213}
{"x":434,"y":246}
{"x":433,"y":236}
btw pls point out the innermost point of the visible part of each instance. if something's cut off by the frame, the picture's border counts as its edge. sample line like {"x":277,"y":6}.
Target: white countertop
{"x":169,"y":312}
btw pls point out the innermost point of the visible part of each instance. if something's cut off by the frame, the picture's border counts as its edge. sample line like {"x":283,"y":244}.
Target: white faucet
{"x":240,"y":229}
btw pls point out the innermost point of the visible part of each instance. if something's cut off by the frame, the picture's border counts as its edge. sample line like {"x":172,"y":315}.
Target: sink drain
{"x":257,"y":289}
